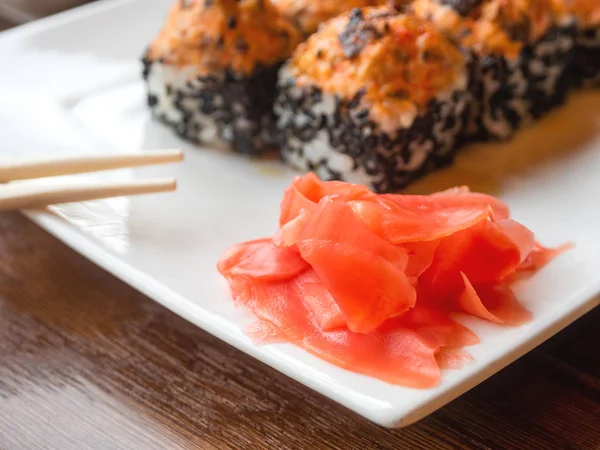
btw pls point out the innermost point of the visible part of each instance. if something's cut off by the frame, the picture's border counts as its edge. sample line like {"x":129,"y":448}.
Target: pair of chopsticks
{"x":14,"y":196}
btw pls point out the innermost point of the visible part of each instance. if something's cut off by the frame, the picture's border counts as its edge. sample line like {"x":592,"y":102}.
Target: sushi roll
{"x":522,"y":51}
{"x":211,"y":72}
{"x":586,"y":15}
{"x":375,"y":97}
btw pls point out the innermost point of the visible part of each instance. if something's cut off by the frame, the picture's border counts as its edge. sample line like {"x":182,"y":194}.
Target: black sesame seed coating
{"x":586,"y":63}
{"x":512,"y":93}
{"x":239,"y":107}
{"x":231,"y":22}
{"x":389,"y":162}
{"x":357,"y":34}
{"x":462,"y":7}
{"x":152,"y":100}
{"x":146,"y":63}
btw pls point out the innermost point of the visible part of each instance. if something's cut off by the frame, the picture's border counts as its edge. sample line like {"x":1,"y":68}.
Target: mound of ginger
{"x":368,"y":281}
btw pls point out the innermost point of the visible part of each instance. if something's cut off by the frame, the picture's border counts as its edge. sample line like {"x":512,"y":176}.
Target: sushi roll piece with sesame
{"x":522,"y":51}
{"x":374,"y":97}
{"x":211,"y":72}
{"x":586,"y":65}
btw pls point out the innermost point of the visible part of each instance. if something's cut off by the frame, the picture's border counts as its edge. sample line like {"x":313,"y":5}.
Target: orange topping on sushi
{"x":492,"y":26}
{"x":309,"y":14}
{"x":506,"y":25}
{"x":455,"y":18}
{"x":397,"y":63}
{"x":216,"y":34}
{"x":587,"y":12}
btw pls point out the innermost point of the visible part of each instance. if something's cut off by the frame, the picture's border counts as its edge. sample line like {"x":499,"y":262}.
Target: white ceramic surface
{"x":71,"y":83}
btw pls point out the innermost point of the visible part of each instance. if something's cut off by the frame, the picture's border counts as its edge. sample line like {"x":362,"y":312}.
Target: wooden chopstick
{"x":69,"y":165}
{"x":30,"y":196}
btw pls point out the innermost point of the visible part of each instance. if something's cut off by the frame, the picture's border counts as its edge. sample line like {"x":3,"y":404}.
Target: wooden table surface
{"x":88,"y":362}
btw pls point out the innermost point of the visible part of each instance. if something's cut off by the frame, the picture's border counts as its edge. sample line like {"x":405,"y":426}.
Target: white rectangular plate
{"x":71,"y":83}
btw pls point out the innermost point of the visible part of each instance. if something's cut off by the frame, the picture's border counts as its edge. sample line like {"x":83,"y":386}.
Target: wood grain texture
{"x":88,"y":362}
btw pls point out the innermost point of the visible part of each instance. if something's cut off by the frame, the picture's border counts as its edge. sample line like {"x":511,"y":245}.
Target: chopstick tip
{"x":168,"y":154}
{"x":178,"y":152}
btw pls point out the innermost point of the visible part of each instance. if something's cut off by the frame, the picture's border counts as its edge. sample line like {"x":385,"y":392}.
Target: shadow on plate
{"x":489,"y":167}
